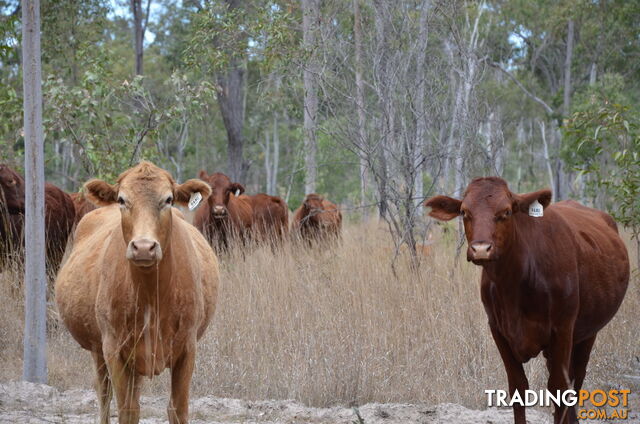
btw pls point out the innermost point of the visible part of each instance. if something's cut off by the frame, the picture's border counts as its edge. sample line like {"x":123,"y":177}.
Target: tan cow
{"x":139,"y":287}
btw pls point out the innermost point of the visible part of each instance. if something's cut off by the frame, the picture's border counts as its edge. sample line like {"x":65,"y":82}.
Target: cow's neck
{"x":152,"y":284}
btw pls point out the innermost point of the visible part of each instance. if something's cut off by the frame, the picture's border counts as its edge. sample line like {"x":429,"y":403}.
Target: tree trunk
{"x":140,"y":21}
{"x":453,"y":126}
{"x":310,"y":22}
{"x":566,"y":104}
{"x":267,"y":161}
{"x":362,"y":132}
{"x":276,"y":156}
{"x":420,"y":109}
{"x":547,"y":159}
{"x":230,"y":99}
{"x":35,"y":337}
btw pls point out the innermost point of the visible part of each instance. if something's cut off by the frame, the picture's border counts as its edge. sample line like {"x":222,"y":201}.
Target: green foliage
{"x":8,"y":35}
{"x":71,"y":30}
{"x":603,"y":140}
{"x":221,"y":34}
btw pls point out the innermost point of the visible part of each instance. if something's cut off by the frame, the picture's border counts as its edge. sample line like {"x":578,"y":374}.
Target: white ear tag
{"x":194,"y":201}
{"x":237,"y":192}
{"x":536,"y":209}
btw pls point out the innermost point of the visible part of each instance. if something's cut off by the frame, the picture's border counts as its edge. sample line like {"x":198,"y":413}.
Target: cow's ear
{"x":100,"y":193}
{"x":184,"y":191}
{"x":236,"y":188}
{"x":443,"y":208}
{"x":523,"y":201}
{"x":203,"y":175}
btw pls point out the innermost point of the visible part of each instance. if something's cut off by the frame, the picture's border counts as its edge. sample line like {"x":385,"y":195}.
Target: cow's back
{"x":82,"y":205}
{"x":270,"y":214}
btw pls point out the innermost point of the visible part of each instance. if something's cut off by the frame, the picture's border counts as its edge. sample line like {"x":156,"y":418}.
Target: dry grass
{"x":337,"y":327}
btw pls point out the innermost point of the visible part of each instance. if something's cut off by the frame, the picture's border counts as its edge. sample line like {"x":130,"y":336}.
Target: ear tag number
{"x":194,"y":201}
{"x":237,"y":192}
{"x":536,"y":209}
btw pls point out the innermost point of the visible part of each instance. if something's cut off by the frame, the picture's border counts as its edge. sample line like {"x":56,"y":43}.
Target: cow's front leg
{"x":515,"y":374}
{"x":103,"y":386}
{"x":559,"y":365}
{"x":126,"y":384}
{"x":181,"y":373}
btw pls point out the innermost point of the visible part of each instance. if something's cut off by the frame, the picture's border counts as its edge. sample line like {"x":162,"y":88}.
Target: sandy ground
{"x":23,"y":403}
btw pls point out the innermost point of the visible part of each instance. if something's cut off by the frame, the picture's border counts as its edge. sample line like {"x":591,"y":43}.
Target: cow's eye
{"x":121,"y":201}
{"x":12,"y":182}
{"x":464,"y":214}
{"x":503,"y":215}
{"x":169,"y":200}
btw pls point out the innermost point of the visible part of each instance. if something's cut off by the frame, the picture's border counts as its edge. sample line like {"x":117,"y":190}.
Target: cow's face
{"x":313,"y":202}
{"x":487,"y":210}
{"x":313,"y":207}
{"x":12,"y":190}
{"x":221,"y":191}
{"x":145,"y":194}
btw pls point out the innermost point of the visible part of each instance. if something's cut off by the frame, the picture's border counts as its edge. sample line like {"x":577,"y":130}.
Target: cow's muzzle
{"x":144,"y":252}
{"x":219,"y":212}
{"x":480,"y":251}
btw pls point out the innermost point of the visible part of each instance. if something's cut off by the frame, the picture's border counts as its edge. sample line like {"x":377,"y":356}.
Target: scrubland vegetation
{"x":336,"y":326}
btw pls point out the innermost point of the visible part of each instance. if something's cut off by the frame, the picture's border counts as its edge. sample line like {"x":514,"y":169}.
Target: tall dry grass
{"x":337,"y":326}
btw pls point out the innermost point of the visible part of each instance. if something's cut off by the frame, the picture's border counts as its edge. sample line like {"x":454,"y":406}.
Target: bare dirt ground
{"x":23,"y":403}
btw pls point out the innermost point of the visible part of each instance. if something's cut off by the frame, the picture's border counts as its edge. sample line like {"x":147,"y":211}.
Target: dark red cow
{"x":226,"y":215}
{"x":81,"y":205}
{"x":270,"y":218}
{"x":59,"y":217}
{"x":549,"y":283}
{"x":317,"y":219}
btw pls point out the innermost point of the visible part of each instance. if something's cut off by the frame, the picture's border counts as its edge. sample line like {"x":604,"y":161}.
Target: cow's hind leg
{"x":579,"y":361}
{"x":581,"y":354}
{"x":103,"y":386}
{"x":181,"y":373}
{"x":559,"y":363}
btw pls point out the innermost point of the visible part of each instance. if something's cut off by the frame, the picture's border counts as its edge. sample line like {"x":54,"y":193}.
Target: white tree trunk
{"x":362,"y":132}
{"x":310,"y":18}
{"x":547,"y":159}
{"x":276,"y":156}
{"x":566,"y":104}
{"x":267,"y":161}
{"x":421,"y":112}
{"x":35,"y":337}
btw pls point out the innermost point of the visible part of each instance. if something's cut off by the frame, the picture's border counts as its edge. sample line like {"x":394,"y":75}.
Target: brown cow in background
{"x":317,"y":219}
{"x":226,"y":215}
{"x":270,"y":218}
{"x":139,"y":288}
{"x":59,"y":217}
{"x":81,"y":205}
{"x":552,"y":277}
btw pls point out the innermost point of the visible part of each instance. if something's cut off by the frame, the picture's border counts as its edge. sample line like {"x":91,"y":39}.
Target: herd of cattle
{"x":140,"y":284}
{"x":228,"y":216}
